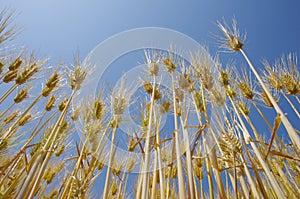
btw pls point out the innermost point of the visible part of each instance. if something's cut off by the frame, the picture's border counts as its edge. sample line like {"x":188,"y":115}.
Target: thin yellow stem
{"x":208,"y":169}
{"x":291,"y":104}
{"x":107,"y":179}
{"x":154,"y":179}
{"x":5,"y":95}
{"x":262,"y":115}
{"x":288,"y":126}
{"x":188,"y":159}
{"x":147,"y":146}
{"x":4,"y":112}
{"x":159,"y":162}
{"x":42,"y":158}
{"x":177,"y":146}
{"x":247,"y":136}
{"x":10,"y":131}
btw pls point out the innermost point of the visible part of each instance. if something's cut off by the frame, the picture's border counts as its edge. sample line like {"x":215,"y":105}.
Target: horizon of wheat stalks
{"x":40,"y":158}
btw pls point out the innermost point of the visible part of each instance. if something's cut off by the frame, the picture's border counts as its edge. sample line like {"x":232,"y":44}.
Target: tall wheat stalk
{"x":39,"y":157}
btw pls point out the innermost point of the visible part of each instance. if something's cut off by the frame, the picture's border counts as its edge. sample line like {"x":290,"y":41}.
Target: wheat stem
{"x":288,"y":126}
{"x":188,"y":159}
{"x":159,"y":162}
{"x":217,"y":174}
{"x":154,"y":178}
{"x":291,"y":104}
{"x":262,"y":115}
{"x":4,"y":112}
{"x":257,"y":176}
{"x":285,"y":182}
{"x":147,"y":145}
{"x":43,"y":158}
{"x":107,"y":179}
{"x":177,"y":146}
{"x":247,"y":136}
{"x":297,"y":99}
{"x":9,"y":133}
{"x":7,"y":93}
{"x":208,"y":168}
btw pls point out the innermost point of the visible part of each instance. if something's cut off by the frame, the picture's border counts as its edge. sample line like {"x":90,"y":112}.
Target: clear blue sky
{"x":57,"y":28}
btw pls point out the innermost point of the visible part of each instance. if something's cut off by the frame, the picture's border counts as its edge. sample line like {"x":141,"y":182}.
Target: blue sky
{"x":56,"y":28}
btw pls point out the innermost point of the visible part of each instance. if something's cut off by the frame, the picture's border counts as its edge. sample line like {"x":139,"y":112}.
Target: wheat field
{"x":230,"y":155}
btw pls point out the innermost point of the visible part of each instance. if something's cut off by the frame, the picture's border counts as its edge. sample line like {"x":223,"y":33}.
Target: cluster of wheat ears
{"x":39,"y":157}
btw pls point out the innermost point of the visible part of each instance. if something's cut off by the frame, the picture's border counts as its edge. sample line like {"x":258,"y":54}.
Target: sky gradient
{"x":56,"y":29}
